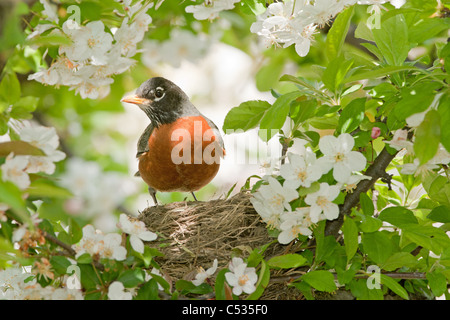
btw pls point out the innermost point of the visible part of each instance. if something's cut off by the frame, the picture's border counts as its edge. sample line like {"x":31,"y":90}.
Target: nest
{"x":192,"y":234}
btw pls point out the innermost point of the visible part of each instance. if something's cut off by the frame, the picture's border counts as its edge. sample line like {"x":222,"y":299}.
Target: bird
{"x":180,"y":150}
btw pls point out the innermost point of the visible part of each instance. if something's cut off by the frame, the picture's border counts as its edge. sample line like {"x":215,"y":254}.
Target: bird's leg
{"x":195,"y":198}
{"x":153,"y":194}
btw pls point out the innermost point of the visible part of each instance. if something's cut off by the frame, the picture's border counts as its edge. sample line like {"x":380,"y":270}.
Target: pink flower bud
{"x":375,"y":132}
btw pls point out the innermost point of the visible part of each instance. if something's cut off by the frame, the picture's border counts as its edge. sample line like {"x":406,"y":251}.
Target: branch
{"x":376,"y":170}
{"x":394,"y":275}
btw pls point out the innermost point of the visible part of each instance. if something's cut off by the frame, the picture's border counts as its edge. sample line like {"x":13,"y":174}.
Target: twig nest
{"x":192,"y":234}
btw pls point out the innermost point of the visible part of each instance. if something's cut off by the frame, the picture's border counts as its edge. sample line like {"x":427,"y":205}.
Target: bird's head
{"x":160,"y":99}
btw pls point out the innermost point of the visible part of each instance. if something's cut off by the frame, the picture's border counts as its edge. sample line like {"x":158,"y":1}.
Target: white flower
{"x":272,"y":218}
{"x":353,"y":181}
{"x":116,"y":291}
{"x":14,"y":170}
{"x":67,"y":294}
{"x":50,"y":11}
{"x":12,"y":283}
{"x":301,"y":170}
{"x":277,"y":196}
{"x":137,"y":231}
{"x":20,"y":232}
{"x":89,"y":42}
{"x":400,"y":140}
{"x":338,"y":154}
{"x":293,"y":224}
{"x":89,"y":243}
{"x":202,"y":275}
{"x":442,"y":156}
{"x":417,"y":169}
{"x":47,"y":140}
{"x":241,"y":278}
{"x":61,"y":72}
{"x":110,"y":247}
{"x":210,"y":9}
{"x":321,"y":203}
{"x":183,"y":45}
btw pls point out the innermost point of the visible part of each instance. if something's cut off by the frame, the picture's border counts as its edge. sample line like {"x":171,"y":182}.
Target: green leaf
{"x":334,"y":74}
{"x":336,"y":35}
{"x":19,"y":147}
{"x":74,"y":233}
{"x":10,"y":88}
{"x":431,"y":238}
{"x":370,"y":224}
{"x":437,"y":282}
{"x":415,"y":99}
{"x":392,"y":40}
{"x":366,"y":204}
{"x":12,"y":196}
{"x":42,"y":189}
{"x":22,"y":109}
{"x":427,"y":28}
{"x":287,"y":261}
{"x":321,"y":280}
{"x":88,"y":277}
{"x":352,"y":116}
{"x":350,"y":231}
{"x":302,"y":111}
{"x":444,"y":112}
{"x":263,"y":281}
{"x":428,"y":135}
{"x":394,"y":286}
{"x":246,"y":116}
{"x":438,"y":188}
{"x":440,"y":214}
{"x":267,"y":76}
{"x":219,"y":285}
{"x":301,"y":83}
{"x":399,"y":260}
{"x":149,"y":291}
{"x":398,"y":216}
{"x":325,"y":245}
{"x":276,"y":115}
{"x":85,"y":258}
{"x":379,"y":73}
{"x":60,"y":264}
{"x":255,"y":7}
{"x":131,"y":278}
{"x":377,"y":246}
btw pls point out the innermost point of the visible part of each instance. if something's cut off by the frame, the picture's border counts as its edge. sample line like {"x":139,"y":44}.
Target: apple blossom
{"x":277,"y":196}
{"x":293,"y":224}
{"x":400,"y":140}
{"x":116,"y":291}
{"x":14,"y":170}
{"x":210,"y":9}
{"x":301,"y":171}
{"x":321,"y":203}
{"x":338,"y":155}
{"x":137,"y":231}
{"x":203,"y":274}
{"x":241,"y":278}
{"x":271,"y":218}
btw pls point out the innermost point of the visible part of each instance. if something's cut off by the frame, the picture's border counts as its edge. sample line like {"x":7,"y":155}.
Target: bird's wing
{"x":142,"y":145}
{"x":216,"y":131}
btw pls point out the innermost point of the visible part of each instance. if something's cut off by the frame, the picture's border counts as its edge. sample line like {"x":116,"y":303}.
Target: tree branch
{"x":376,"y":170}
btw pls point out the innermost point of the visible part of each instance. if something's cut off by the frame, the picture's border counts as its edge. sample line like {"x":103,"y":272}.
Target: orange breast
{"x":183,"y":156}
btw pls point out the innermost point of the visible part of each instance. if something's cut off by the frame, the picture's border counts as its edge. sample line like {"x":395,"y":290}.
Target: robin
{"x":180,"y":150}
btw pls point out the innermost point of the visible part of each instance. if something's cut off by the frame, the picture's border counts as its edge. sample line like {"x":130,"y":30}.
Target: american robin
{"x":180,"y":150}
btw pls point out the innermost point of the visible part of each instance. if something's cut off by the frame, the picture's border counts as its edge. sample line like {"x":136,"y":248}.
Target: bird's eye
{"x":159,"y":93}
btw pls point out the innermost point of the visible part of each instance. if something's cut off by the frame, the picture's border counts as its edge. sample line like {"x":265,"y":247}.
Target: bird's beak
{"x":135,"y":100}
